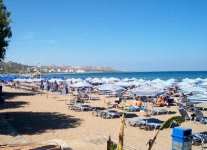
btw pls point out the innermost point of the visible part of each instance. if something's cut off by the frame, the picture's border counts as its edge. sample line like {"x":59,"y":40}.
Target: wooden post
{"x":121,"y":133}
{"x":109,"y":143}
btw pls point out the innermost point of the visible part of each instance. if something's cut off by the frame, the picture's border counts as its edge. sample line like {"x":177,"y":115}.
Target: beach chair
{"x":199,"y":139}
{"x":132,"y":109}
{"x":112,"y":105}
{"x":106,"y":114}
{"x":77,"y":101}
{"x":200,"y":117}
{"x":187,"y":107}
{"x":185,"y":114}
{"x":81,"y":107}
{"x":136,"y":122}
{"x":96,"y":112}
{"x":159,"y":111}
{"x":151,"y":124}
{"x":144,"y":98}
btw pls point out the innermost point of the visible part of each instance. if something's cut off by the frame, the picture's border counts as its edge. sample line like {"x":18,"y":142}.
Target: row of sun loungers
{"x":106,"y":114}
{"x":198,"y":116}
{"x":146,"y":124}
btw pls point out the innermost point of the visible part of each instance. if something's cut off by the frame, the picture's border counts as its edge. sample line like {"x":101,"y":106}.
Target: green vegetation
{"x":12,"y":67}
{"x":5,"y":29}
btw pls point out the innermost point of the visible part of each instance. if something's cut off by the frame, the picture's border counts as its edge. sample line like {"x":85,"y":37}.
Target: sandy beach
{"x":41,"y":118}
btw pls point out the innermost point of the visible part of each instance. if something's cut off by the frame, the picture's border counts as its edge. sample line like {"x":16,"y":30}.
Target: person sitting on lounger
{"x":160,"y":101}
{"x":137,"y":103}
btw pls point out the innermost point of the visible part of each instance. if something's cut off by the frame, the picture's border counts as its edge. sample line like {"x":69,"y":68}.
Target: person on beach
{"x":65,"y":89}
{"x":137,"y":103}
{"x":160,"y":101}
{"x":55,"y":87}
{"x":41,"y":85}
{"x":47,"y":85}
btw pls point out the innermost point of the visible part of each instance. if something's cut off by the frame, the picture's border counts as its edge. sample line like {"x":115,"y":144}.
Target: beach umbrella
{"x":193,"y":90}
{"x":111,"y":88}
{"x":146,"y":91}
{"x":81,"y":85}
{"x":74,"y":80}
{"x":123,"y":84}
{"x":56,"y":79}
{"x":96,"y":81}
{"x":202,"y":98}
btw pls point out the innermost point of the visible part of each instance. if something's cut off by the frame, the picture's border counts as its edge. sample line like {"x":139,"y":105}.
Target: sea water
{"x":179,"y":75}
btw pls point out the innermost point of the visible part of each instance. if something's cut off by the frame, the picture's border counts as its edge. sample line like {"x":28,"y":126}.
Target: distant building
{"x":44,"y":70}
{"x":71,"y":70}
{"x":51,"y":70}
{"x":58,"y":70}
{"x":28,"y":69}
{"x":80,"y":71}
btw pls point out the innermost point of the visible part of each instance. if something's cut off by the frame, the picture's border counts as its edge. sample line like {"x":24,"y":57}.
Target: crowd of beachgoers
{"x":196,"y":88}
{"x":152,"y":97}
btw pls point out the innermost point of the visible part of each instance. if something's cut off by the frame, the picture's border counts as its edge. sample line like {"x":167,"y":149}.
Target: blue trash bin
{"x":181,"y":139}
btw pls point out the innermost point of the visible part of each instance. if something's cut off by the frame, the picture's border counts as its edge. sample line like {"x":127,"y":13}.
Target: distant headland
{"x":18,"y":68}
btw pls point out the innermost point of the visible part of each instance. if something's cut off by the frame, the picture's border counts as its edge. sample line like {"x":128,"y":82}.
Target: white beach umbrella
{"x":96,"y":81}
{"x":56,"y":80}
{"x":110,"y":87}
{"x":123,"y":84}
{"x":74,"y":80}
{"x":82,"y":84}
{"x":146,"y":91}
{"x":194,"y":90}
{"x":198,"y":98}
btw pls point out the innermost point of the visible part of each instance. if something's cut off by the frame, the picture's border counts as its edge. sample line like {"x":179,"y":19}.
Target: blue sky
{"x":132,"y":35}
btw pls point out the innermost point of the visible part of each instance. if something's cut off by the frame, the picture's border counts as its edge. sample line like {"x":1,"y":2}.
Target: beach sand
{"x":27,"y":118}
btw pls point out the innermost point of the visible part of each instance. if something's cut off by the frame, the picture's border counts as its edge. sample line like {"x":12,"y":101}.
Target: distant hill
{"x":18,"y":68}
{"x":12,"y":67}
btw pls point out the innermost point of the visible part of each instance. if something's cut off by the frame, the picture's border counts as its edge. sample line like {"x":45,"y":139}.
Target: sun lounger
{"x":146,"y":124}
{"x":159,"y":111}
{"x":199,"y":139}
{"x":200,"y":117}
{"x":152,"y":125}
{"x":81,"y":107}
{"x":109,"y":114}
{"x":112,"y":105}
{"x":185,"y":114}
{"x":132,"y":108}
{"x":77,"y":101}
{"x":136,"y":122}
